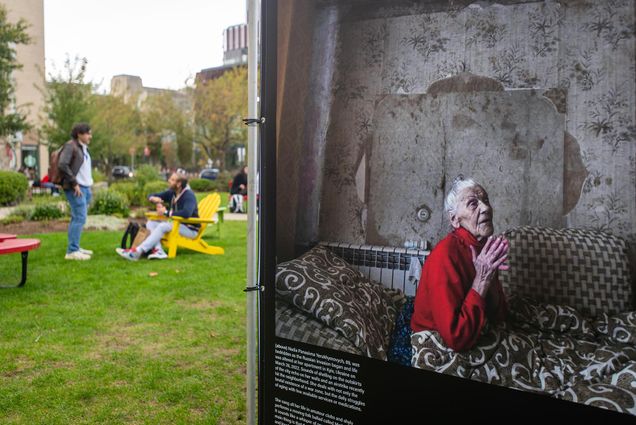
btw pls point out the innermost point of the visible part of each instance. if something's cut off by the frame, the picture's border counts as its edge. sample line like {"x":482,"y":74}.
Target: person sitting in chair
{"x":45,"y":182}
{"x":181,"y":203}
{"x":238,"y":191}
{"x":459,"y":288}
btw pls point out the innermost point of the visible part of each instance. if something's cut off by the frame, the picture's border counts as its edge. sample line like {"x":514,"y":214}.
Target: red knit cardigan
{"x":445,"y":301}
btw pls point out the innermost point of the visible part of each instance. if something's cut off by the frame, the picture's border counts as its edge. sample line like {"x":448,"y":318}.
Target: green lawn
{"x":104,"y":342}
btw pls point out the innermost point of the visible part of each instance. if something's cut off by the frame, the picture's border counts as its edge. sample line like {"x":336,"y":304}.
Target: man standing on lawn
{"x":75,"y":167}
{"x":182,"y":203}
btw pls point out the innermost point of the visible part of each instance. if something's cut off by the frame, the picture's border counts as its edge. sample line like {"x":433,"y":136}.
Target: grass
{"x":104,"y":342}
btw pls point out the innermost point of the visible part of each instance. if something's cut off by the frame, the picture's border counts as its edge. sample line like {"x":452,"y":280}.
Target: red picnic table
{"x":9,"y":244}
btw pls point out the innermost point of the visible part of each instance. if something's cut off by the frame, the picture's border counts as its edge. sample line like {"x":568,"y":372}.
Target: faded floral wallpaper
{"x":580,"y":54}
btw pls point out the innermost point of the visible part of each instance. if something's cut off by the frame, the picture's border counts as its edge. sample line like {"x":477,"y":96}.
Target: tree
{"x":11,"y":120}
{"x":219,"y":106}
{"x":168,"y":129}
{"x":68,"y":101}
{"x":116,"y":130}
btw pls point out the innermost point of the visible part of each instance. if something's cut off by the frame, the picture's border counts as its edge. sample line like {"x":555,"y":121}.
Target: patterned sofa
{"x":571,"y":331}
{"x":324,"y":300}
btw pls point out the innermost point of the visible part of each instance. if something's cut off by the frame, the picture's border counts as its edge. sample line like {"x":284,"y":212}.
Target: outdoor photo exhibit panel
{"x":378,"y":111}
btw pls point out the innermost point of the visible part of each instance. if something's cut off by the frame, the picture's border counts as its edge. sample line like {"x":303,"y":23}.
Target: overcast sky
{"x":162,"y":41}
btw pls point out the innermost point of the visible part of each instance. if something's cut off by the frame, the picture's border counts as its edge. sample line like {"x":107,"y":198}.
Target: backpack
{"x":55,"y":175}
{"x":134,"y":235}
{"x":129,"y":235}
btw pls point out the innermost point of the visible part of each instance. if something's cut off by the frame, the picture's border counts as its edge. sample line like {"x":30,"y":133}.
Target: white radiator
{"x":386,"y":265}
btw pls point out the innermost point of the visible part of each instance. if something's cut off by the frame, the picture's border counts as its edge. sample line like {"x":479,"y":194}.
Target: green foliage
{"x":145,"y":174}
{"x":139,"y":213}
{"x":110,"y":202}
{"x":47,"y":211}
{"x":146,"y":181}
{"x":116,"y":128}
{"x":13,"y":187}
{"x":128,"y":189}
{"x":203,"y":185}
{"x":24,"y":211}
{"x":46,"y":208}
{"x":220,"y":105}
{"x":98,"y":176}
{"x":224,"y":178}
{"x":12,"y":219}
{"x":38,"y":198}
{"x":168,"y":130}
{"x":11,"y":35}
{"x":153,"y":187}
{"x":68,"y":101}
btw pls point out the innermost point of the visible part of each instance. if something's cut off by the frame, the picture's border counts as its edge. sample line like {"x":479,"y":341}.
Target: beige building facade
{"x":131,"y":89}
{"x":27,"y":149}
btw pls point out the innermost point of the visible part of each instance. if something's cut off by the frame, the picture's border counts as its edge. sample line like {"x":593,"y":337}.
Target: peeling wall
{"x":430,"y":62}
{"x":509,"y":141}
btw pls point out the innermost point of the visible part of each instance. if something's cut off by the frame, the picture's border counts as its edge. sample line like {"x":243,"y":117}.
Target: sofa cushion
{"x":293,"y":324}
{"x":585,"y":269}
{"x":327,"y":288}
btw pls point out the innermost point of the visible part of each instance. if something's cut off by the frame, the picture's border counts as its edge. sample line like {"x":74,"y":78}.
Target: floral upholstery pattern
{"x":546,"y":348}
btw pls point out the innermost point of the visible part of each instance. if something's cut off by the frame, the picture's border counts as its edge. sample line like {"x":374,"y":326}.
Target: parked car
{"x":121,"y":172}
{"x":209,"y":173}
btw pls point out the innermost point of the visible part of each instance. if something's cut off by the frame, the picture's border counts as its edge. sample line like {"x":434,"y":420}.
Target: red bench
{"x":9,"y":244}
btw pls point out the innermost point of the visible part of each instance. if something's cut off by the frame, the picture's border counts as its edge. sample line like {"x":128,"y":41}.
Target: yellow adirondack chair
{"x":173,"y":240}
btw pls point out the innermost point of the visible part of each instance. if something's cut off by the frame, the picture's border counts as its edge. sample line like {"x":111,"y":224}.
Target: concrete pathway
{"x":234,"y":217}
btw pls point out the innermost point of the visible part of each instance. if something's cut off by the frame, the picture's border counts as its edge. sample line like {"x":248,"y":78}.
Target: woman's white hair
{"x":459,"y":183}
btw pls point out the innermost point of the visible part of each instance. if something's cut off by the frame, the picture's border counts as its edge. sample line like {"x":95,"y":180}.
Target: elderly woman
{"x":459,"y":289}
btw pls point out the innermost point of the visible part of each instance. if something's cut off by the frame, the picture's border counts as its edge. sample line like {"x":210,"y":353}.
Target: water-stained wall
{"x":420,"y":91}
{"x":511,"y":141}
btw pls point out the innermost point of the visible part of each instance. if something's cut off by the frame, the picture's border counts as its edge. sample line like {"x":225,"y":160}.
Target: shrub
{"x":110,"y":202}
{"x":12,"y":219}
{"x":202,"y":185}
{"x":47,"y":211}
{"x":135,"y":189}
{"x":146,"y":174}
{"x":153,"y":187}
{"x":13,"y":187}
{"x":128,"y":189}
{"x":224,"y":178}
{"x":24,"y":211}
{"x":45,"y":198}
{"x":139,"y":213}
{"x":98,"y":176}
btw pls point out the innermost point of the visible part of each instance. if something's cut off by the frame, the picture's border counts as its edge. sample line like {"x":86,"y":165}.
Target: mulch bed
{"x":30,"y":227}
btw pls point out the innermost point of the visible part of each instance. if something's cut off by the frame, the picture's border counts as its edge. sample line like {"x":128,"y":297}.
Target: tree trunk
{"x":109,"y":166}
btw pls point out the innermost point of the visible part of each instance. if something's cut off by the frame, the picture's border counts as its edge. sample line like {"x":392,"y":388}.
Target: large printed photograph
{"x":456,"y":189}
